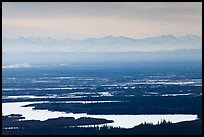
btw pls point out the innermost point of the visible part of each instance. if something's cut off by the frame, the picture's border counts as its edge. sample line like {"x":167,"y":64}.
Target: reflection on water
{"x":124,"y":121}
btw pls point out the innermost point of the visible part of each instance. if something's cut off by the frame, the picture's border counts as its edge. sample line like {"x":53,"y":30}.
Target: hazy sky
{"x":82,"y":20}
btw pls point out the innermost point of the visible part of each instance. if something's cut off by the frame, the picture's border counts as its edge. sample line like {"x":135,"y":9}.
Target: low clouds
{"x":134,"y":10}
{"x":82,"y":20}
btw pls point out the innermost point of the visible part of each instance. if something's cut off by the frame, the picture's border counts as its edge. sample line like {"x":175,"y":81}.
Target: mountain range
{"x":26,"y":51}
{"x":104,"y":44}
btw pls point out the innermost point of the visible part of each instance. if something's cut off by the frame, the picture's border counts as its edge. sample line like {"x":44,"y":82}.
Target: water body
{"x":123,"y":121}
{"x":144,"y":88}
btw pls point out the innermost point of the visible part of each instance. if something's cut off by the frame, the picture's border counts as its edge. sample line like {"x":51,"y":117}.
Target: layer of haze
{"x":42,"y":33}
{"x":83,"y":20}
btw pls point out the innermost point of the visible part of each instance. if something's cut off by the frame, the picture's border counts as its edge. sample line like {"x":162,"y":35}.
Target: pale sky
{"x":83,"y":20}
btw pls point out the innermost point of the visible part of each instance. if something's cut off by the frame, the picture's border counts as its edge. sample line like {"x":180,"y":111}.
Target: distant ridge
{"x":104,"y":44}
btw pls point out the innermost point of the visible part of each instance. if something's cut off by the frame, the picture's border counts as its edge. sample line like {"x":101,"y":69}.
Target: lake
{"x":128,"y":95}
